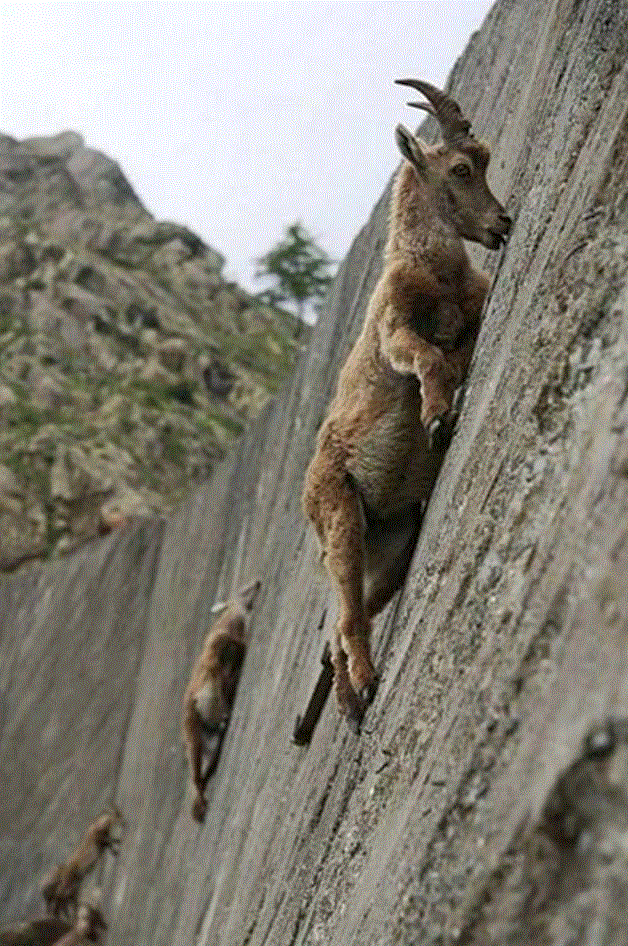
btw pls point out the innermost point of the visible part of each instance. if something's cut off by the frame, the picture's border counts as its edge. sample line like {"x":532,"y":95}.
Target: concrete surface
{"x":486,"y":798}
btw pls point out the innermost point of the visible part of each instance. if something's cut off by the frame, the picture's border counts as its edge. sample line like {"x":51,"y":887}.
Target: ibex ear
{"x":412,"y":149}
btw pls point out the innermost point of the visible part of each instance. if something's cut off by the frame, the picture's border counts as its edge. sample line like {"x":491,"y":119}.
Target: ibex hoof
{"x":352,"y":708}
{"x":456,"y":404}
{"x":356,"y":706}
{"x":367,"y":693}
{"x":199,"y":810}
{"x":440,"y":431}
{"x":354,"y":719}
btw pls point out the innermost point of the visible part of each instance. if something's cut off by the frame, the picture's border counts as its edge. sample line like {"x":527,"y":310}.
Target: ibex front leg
{"x":412,"y":299}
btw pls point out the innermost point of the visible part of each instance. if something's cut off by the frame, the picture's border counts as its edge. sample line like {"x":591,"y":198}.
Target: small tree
{"x":299,"y":270}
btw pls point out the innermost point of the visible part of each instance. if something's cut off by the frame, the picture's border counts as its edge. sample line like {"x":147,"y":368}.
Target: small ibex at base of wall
{"x":53,"y":931}
{"x":88,"y":925}
{"x":379,"y":450}
{"x":60,"y":887}
{"x":211,"y":691}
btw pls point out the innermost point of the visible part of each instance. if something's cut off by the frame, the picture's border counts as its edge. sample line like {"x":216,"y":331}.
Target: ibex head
{"x":455,"y":171}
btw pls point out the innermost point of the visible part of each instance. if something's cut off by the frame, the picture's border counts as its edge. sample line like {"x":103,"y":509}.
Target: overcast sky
{"x":234,"y":119}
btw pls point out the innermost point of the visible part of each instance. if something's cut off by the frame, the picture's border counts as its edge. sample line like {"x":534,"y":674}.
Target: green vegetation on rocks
{"x":127,"y":363}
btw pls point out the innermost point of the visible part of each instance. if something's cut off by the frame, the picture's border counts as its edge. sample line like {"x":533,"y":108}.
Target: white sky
{"x":234,"y":119}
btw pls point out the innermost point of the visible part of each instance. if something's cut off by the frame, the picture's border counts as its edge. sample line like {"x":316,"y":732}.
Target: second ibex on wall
{"x":88,"y":926}
{"x":211,"y":691}
{"x":381,"y":446}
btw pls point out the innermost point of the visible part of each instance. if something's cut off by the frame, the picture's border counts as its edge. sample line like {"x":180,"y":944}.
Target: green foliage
{"x":298,"y":268}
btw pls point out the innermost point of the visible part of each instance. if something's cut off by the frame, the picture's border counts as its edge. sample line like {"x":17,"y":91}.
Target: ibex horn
{"x":454,"y":126}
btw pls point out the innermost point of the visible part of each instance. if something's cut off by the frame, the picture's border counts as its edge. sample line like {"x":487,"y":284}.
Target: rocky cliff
{"x":486,"y":800}
{"x":127,"y":363}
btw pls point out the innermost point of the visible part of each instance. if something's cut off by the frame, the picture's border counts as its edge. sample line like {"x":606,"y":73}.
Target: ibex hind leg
{"x":333,"y":504}
{"x":348,"y":702}
{"x":213,"y":749}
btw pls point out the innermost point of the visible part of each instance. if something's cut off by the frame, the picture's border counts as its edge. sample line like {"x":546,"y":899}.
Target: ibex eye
{"x":461,"y":170}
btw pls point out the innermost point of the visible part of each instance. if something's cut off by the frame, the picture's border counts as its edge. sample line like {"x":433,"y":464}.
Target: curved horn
{"x":424,"y":105}
{"x":454,"y":126}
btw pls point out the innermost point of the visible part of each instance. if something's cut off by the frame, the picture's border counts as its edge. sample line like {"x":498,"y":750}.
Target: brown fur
{"x":60,"y":887}
{"x":382,"y":443}
{"x":89,"y":924}
{"x":42,"y":932}
{"x":211,"y":691}
{"x":53,"y":931}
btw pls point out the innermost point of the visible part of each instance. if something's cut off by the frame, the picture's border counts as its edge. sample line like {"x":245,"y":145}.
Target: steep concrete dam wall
{"x":485,"y":800}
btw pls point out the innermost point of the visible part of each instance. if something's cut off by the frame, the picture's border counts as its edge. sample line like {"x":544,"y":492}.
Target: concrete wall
{"x":485,"y":800}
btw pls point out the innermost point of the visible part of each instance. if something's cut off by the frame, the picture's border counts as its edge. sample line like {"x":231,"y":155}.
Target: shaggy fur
{"x":53,"y":931}
{"x":89,"y":925}
{"x":382,"y":443}
{"x":211,"y":691}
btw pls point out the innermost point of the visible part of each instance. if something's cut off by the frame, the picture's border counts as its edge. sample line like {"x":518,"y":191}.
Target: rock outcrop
{"x":486,"y":800}
{"x":127,"y":363}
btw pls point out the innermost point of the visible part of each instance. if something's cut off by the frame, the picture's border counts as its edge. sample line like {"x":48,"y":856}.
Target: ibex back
{"x":382,"y":444}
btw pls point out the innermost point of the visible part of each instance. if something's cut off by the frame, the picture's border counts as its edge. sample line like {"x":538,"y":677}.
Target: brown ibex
{"x":53,"y":931}
{"x":60,"y":887}
{"x":380,"y":448}
{"x":211,"y":691}
{"x":88,"y":925}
